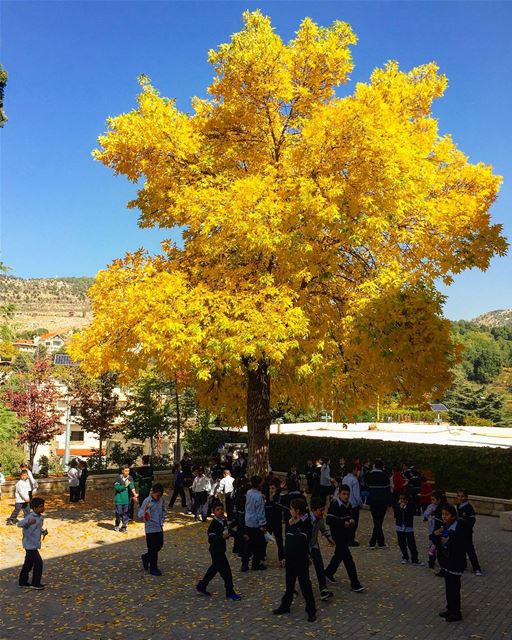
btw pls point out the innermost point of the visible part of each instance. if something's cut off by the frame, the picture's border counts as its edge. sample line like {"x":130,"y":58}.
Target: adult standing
{"x":326,"y":486}
{"x":188,"y":476}
{"x":379,"y":490}
{"x":83,"y":472}
{"x":351,"y":479}
{"x":73,"y":481}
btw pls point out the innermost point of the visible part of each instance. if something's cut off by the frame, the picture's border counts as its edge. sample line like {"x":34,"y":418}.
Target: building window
{"x":77,"y":436}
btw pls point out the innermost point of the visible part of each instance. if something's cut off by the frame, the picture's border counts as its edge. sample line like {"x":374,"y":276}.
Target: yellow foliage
{"x":314,"y":228}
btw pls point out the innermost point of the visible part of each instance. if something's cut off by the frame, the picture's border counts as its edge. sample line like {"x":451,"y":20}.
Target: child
{"x":275,"y":518}
{"x":318,"y":526}
{"x":451,"y":541}
{"x":340,"y":521}
{"x":21,"y":497}
{"x":33,"y":482}
{"x":296,"y":553}
{"x":145,"y":475}
{"x":201,"y":487}
{"x":404,"y":519}
{"x":467,"y":515}
{"x":124,"y":491}
{"x":32,"y":525}
{"x":152,"y":510}
{"x":433,"y":516}
{"x":225,"y":486}
{"x":179,"y":487}
{"x":2,"y":480}
{"x":351,"y":479}
{"x":255,"y":526}
{"x":217,"y":535}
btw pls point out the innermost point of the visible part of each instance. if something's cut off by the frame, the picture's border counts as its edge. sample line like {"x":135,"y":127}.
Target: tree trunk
{"x":32,"y":448}
{"x":258,"y":418}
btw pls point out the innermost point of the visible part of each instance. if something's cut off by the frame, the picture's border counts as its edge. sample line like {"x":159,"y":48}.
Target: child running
{"x":296,"y":555}
{"x":21,"y":497}
{"x":152,"y":511}
{"x":217,"y":535}
{"x":32,"y":525}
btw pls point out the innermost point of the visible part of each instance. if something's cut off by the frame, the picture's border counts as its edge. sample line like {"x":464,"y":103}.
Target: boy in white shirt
{"x":225,"y":486}
{"x":32,"y":525}
{"x":21,"y":497}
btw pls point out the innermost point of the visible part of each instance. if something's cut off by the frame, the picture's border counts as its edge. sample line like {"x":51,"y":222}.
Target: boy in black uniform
{"x":379,"y":490}
{"x":340,"y":521}
{"x":217,"y":535}
{"x":404,"y":518}
{"x":451,"y":541}
{"x":296,"y":554}
{"x":467,"y":515}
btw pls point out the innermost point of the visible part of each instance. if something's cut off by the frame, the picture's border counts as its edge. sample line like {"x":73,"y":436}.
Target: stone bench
{"x":506,"y":520}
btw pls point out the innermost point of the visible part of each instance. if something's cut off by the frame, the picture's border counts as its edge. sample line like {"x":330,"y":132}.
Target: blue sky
{"x":72,"y":64}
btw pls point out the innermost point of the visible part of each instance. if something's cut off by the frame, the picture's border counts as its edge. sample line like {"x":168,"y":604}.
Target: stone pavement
{"x":97,"y":590}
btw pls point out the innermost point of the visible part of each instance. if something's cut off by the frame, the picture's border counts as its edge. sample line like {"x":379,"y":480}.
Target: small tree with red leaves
{"x":34,"y":401}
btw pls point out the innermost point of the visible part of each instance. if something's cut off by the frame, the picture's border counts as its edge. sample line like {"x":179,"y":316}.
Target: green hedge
{"x":482,"y":471}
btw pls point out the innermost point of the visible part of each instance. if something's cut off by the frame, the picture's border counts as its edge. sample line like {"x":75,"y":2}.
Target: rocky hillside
{"x":56,"y":304}
{"x":498,"y":318}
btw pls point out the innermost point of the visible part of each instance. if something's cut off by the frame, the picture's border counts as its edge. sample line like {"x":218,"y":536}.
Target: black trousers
{"x":378,"y":512}
{"x":33,"y":562}
{"x":342,"y":554}
{"x":154,"y":541}
{"x":352,"y":530}
{"x":277,"y":531}
{"x":406,"y":540}
{"x":178,"y":491}
{"x":230,"y":506}
{"x":82,"y":491}
{"x":318,"y":563}
{"x":220,"y":564}
{"x":74,"y":493}
{"x":255,"y":546}
{"x":298,"y":569}
{"x":473,"y":558}
{"x":452,"y":585}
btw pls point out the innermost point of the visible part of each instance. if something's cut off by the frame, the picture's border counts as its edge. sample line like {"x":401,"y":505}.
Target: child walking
{"x":32,"y":525}
{"x":217,"y":535}
{"x":296,"y":555}
{"x":318,"y":527}
{"x":21,"y":497}
{"x":432,"y":515}
{"x":467,"y":515}
{"x":404,"y":518}
{"x":340,"y":521}
{"x":124,"y":492}
{"x":451,"y":541}
{"x":152,"y":511}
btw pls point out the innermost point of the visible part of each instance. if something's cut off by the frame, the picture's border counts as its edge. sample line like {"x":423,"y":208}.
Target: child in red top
{"x":425,"y":493}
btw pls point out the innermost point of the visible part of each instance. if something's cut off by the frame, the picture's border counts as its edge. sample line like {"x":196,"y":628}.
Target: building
{"x":25,"y":346}
{"x":53,"y":342}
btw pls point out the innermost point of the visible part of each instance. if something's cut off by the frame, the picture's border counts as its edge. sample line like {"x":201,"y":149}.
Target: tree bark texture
{"x":258,"y":418}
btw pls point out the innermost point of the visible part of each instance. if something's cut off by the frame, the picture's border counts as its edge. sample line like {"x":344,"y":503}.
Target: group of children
{"x":254,"y":514}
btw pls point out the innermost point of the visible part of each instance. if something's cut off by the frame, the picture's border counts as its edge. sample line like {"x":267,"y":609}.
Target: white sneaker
{"x":478,"y":573}
{"x":405,"y":561}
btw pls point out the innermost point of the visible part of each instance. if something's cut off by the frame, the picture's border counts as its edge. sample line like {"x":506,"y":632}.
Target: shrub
{"x":11,"y":456}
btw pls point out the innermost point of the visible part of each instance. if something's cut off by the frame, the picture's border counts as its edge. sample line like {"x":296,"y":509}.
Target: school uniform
{"x":379,"y":494}
{"x":318,"y":528}
{"x":226,"y":486}
{"x":220,"y":563}
{"x":274,"y":511}
{"x":467,"y":515}
{"x":178,"y":489}
{"x":338,"y":517}
{"x":310,"y":473}
{"x":326,"y":487}
{"x":404,"y":525}
{"x":22,"y":492}
{"x":82,"y":481}
{"x":255,"y":519}
{"x":296,"y":554}
{"x":355,"y":500}
{"x":201,"y":487}
{"x":31,"y":543}
{"x":153,"y":513}
{"x":452,"y":558}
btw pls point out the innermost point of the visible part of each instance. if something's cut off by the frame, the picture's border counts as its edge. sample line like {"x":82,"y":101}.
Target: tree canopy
{"x":314,"y":230}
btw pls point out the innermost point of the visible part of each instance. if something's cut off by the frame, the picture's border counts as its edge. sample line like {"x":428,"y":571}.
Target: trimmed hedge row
{"x":483,"y":471}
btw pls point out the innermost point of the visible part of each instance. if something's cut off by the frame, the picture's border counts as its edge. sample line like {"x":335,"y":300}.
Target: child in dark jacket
{"x":218,"y":533}
{"x":404,"y":522}
{"x":340,"y":520}
{"x":319,"y":528}
{"x":467,"y":515}
{"x":296,"y":554}
{"x":451,"y":541}
{"x":275,"y":517}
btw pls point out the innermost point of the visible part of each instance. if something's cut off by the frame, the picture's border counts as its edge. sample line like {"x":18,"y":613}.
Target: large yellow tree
{"x":314,"y":230}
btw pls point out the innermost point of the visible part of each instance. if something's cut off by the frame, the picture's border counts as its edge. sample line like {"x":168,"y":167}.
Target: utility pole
{"x":177,"y":450}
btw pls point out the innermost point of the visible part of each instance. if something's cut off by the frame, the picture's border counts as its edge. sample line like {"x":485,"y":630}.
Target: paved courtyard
{"x":97,"y":590}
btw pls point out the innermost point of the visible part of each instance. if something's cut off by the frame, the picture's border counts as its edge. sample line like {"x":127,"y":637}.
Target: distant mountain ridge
{"x":57,"y":304}
{"x":498,"y":318}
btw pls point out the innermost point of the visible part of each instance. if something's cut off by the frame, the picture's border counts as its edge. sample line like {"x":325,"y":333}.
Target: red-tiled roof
{"x":31,"y":342}
{"x":47,"y":336}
